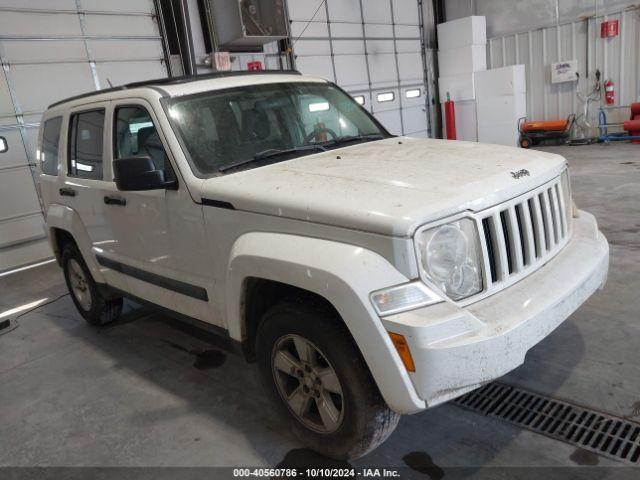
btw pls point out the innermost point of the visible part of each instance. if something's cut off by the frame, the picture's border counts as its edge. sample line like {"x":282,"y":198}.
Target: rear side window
{"x":85,"y":144}
{"x":50,"y":143}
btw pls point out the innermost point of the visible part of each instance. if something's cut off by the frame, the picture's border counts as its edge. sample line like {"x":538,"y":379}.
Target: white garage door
{"x":52,"y":49}
{"x":372,"y":49}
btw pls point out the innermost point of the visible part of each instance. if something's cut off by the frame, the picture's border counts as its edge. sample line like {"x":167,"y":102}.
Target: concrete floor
{"x":143,"y":393}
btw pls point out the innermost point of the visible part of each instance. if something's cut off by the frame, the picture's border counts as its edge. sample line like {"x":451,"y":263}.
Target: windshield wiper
{"x":353,"y":138}
{"x":272,"y":152}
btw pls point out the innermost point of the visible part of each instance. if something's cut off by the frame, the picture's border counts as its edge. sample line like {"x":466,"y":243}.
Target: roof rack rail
{"x":176,"y":81}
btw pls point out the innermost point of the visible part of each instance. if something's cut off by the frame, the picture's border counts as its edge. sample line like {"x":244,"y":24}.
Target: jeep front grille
{"x":522,"y":234}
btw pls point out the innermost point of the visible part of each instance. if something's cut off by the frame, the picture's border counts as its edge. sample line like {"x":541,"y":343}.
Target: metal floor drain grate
{"x":607,"y":435}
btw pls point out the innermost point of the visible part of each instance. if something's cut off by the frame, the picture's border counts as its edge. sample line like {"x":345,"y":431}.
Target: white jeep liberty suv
{"x":367,"y":275}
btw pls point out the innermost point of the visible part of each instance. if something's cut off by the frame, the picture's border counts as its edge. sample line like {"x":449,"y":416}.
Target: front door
{"x":149,"y":228}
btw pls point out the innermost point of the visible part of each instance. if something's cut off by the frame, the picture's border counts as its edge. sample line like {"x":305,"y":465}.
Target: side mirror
{"x":139,"y":173}
{"x":4,"y":146}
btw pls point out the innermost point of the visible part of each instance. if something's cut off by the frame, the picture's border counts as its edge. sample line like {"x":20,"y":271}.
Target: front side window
{"x":85,"y":147}
{"x":135,"y":134}
{"x":250,"y":126}
{"x":50,"y":143}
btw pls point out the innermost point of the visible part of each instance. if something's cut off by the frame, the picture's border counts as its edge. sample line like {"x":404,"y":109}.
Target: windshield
{"x":255,"y":125}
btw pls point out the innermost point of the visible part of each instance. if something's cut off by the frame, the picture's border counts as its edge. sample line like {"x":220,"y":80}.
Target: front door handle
{"x":114,"y":200}
{"x":67,"y":192}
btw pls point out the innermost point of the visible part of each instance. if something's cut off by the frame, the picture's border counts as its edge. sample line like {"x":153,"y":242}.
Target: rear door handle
{"x":114,"y":200}
{"x":67,"y":192}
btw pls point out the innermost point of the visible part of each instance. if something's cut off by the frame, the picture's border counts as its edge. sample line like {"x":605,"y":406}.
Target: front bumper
{"x":456,"y":349}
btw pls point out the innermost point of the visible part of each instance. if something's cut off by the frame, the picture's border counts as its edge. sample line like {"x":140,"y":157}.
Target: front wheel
{"x":313,"y":370}
{"x":92,"y":305}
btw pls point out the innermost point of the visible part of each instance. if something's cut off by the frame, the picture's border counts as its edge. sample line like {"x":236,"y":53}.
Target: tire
{"x":92,"y":305}
{"x":363,"y":420}
{"x":525,"y":142}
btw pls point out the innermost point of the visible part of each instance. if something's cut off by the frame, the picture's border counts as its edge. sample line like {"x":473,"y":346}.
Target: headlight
{"x":450,"y":257}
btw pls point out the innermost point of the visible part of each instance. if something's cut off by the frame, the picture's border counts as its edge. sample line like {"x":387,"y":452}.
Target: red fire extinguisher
{"x":450,"y":118}
{"x":609,"y":92}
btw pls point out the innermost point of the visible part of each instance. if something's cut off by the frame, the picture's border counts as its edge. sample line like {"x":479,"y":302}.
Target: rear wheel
{"x":317,"y":376}
{"x":525,"y":142}
{"x":92,"y":305}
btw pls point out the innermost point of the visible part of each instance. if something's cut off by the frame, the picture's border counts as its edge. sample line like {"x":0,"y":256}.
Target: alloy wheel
{"x":308,"y":383}
{"x":79,"y":285}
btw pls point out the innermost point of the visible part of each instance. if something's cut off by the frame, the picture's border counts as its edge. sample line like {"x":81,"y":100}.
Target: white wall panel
{"x":405,"y":12}
{"x":40,"y":4}
{"x":383,"y":68}
{"x":314,"y":29}
{"x":390,"y":119}
{"x":123,"y":6}
{"x":119,"y":73}
{"x":344,"y":10}
{"x":345,"y":30}
{"x":316,"y":65}
{"x":16,"y":154}
{"x":62,"y":80}
{"x":413,"y":119}
{"x":41,"y":51}
{"x":313,"y":47}
{"x":23,"y":229}
{"x":351,"y":70}
{"x":376,"y":11}
{"x":39,"y":25}
{"x":304,"y":10}
{"x":378,"y":47}
{"x":407,"y":31}
{"x":121,"y":25}
{"x":378,"y":31}
{"x":6,"y":106}
{"x":348,"y":47}
{"x":392,"y":105}
{"x":110,"y":50}
{"x":410,"y":65}
{"x":16,"y":186}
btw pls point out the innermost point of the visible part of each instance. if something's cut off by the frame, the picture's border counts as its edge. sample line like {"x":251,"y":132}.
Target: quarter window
{"x":50,"y":143}
{"x":85,"y":149}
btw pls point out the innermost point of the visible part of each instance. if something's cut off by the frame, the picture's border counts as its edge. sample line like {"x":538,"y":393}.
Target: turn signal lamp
{"x":403,"y":350}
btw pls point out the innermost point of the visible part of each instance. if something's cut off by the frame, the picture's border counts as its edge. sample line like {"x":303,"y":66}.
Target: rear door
{"x":83,"y":171}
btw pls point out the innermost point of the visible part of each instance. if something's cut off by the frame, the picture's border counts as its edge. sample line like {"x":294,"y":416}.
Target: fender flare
{"x":343,"y":274}
{"x":67,"y":219}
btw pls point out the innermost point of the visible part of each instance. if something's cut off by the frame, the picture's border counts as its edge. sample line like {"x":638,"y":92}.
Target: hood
{"x":391,"y":186}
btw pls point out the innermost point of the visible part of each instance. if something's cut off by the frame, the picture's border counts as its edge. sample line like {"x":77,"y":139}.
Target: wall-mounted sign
{"x":609,"y":29}
{"x":566,"y":71}
{"x":257,"y":65}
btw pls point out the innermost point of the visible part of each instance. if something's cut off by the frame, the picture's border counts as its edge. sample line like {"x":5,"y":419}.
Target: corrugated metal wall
{"x":509,"y":16}
{"x":49,"y":50}
{"x":617,"y":58}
